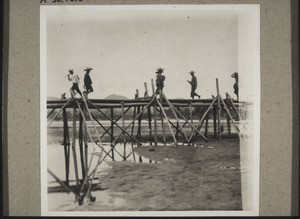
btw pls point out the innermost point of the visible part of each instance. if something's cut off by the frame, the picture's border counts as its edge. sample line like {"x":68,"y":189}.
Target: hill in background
{"x":116,"y":97}
{"x":109,"y":97}
{"x":53,"y":98}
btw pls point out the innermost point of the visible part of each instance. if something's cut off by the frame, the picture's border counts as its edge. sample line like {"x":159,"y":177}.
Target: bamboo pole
{"x":228,"y":98}
{"x":115,"y":124}
{"x":152,"y":85}
{"x":232,"y":120}
{"x":102,"y":149}
{"x":236,"y":110}
{"x":51,"y":112}
{"x":136,"y":117}
{"x":81,"y":146}
{"x":191,"y":115}
{"x":123,"y":125}
{"x":92,"y":172}
{"x":66,"y":145}
{"x":85,"y":140}
{"x":218,"y":110}
{"x":206,"y":126}
{"x":164,"y":113}
{"x":89,"y":113}
{"x":177,"y":125}
{"x":59,"y":111}
{"x":73,"y":145}
{"x":215,"y":121}
{"x":112,"y":132}
{"x":175,"y":114}
{"x":136,"y":93}
{"x":139,"y":123}
{"x":87,"y":172}
{"x":202,"y":121}
{"x":196,"y":129}
{"x":90,"y":162}
{"x":228,"y":120}
{"x":149,"y":124}
{"x":132,"y":128}
{"x":146,"y":89}
{"x":61,"y":182}
{"x":154,"y":114}
{"x":121,"y":155}
{"x":85,"y":148}
{"x":93,"y":176}
{"x":162,"y":118}
{"x":106,"y":130}
{"x":155,"y":123}
{"x":136,"y":110}
{"x":133,"y":152}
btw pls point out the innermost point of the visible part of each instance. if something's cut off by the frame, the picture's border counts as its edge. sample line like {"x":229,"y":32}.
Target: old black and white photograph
{"x":150,"y":110}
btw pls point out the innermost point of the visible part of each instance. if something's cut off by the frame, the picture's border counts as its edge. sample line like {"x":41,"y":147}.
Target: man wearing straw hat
{"x":159,"y":80}
{"x":193,"y":84}
{"x":75,"y":80}
{"x":88,"y":81}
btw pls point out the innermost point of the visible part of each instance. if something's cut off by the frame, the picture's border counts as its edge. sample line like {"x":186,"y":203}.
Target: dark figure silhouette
{"x":88,"y":81}
{"x":159,"y":80}
{"x":236,"y":84}
{"x":193,"y":84}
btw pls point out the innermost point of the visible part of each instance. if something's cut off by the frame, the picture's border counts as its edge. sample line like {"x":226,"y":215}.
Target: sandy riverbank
{"x":185,"y":178}
{"x":206,"y":177}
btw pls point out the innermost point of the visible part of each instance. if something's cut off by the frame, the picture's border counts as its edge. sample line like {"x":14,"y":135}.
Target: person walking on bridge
{"x":75,"y":80}
{"x":193,"y":84}
{"x":88,"y":81}
{"x":159,"y":80}
{"x":235,"y":75}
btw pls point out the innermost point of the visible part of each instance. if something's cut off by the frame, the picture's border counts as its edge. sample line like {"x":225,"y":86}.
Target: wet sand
{"x":205,"y":176}
{"x":183,"y":178}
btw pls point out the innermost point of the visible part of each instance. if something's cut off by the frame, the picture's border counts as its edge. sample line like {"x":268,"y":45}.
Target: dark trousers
{"x":236,"y":88}
{"x":158,"y":88}
{"x":89,"y":88}
{"x":76,"y":88}
{"x":193,"y":93}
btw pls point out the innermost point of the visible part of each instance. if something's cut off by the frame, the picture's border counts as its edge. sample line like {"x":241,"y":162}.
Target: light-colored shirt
{"x":74,"y":78}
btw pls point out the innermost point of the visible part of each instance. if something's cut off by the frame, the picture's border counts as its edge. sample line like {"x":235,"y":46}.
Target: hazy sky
{"x":125,"y":46}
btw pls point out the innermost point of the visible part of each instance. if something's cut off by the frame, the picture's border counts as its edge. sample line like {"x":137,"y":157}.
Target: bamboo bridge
{"x":156,"y":110}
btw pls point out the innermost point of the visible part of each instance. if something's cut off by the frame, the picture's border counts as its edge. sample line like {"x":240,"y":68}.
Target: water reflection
{"x":125,"y":152}
{"x":119,"y":153}
{"x":60,"y":200}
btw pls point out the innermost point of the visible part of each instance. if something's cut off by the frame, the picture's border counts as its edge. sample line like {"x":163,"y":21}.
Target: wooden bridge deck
{"x":112,"y":103}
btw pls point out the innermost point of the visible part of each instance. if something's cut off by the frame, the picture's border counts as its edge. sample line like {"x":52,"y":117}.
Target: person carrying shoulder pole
{"x":88,"y":81}
{"x":193,"y":84}
{"x":75,"y":80}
